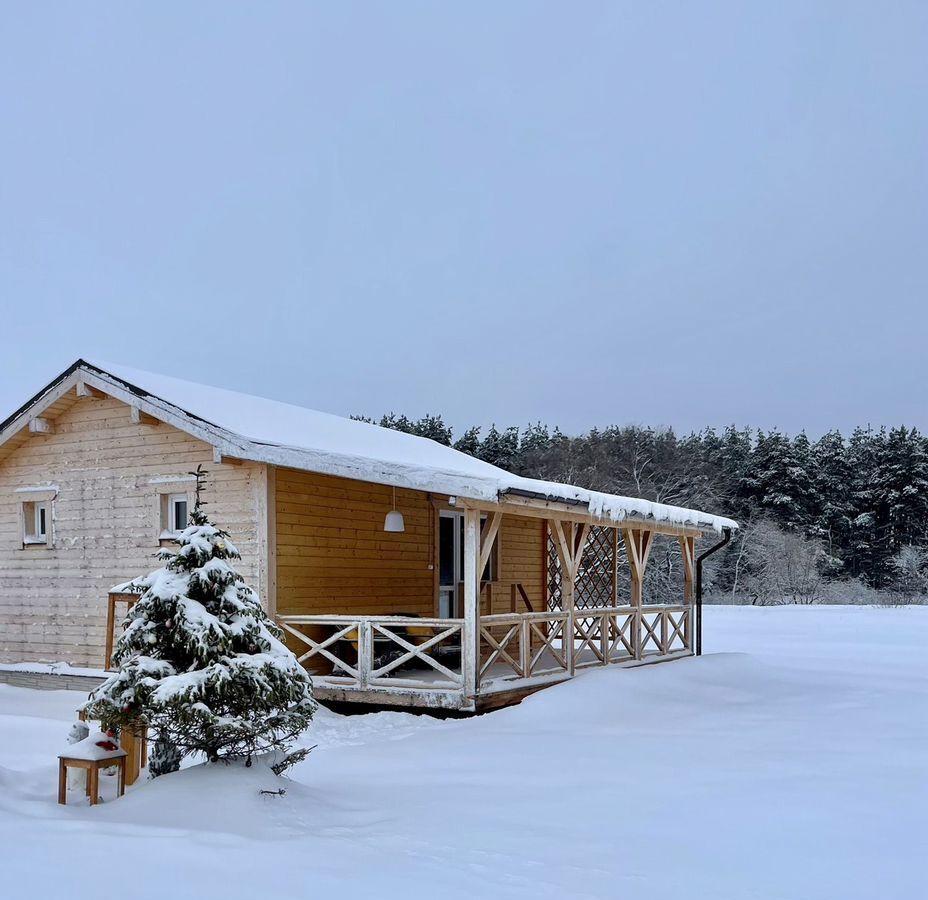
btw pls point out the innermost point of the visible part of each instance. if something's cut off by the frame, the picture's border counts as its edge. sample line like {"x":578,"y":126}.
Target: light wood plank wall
{"x":106,"y":522}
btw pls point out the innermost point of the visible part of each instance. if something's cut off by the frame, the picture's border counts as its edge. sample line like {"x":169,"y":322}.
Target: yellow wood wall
{"x":333,"y":555}
{"x":520,"y":552}
{"x":106,"y":522}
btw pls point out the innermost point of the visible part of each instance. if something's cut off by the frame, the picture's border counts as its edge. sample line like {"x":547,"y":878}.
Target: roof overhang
{"x":84,"y":377}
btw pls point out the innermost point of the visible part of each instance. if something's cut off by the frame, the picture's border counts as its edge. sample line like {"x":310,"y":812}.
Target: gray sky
{"x":585,"y":213}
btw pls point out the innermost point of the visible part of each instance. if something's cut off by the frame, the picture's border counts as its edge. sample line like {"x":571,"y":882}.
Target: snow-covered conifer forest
{"x":837,"y":519}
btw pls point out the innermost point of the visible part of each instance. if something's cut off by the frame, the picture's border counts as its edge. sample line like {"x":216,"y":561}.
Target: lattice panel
{"x":596,"y":578}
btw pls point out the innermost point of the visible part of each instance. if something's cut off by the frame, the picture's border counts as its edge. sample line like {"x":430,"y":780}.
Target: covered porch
{"x":572,"y":597}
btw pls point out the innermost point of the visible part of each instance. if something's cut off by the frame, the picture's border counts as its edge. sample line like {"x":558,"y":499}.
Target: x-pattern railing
{"x":410,"y":652}
{"x":620,"y":636}
{"x":545,"y":630}
{"x":651,"y":626}
{"x":322,"y":647}
{"x":523,"y":644}
{"x":419,"y":651}
{"x":508,"y":640}
{"x":371,"y":651}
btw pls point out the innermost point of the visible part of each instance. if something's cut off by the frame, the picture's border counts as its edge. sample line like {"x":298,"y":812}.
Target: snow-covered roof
{"x":250,"y":427}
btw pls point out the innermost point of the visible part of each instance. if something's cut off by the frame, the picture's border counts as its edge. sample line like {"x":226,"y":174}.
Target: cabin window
{"x":175,"y":515}
{"x":36,"y":523}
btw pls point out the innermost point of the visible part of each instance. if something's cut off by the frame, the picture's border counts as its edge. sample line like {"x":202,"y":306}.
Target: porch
{"x":492,"y":639}
{"x":410,"y":661}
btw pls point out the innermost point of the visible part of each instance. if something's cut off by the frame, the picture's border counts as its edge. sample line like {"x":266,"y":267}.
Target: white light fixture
{"x":394,"y":520}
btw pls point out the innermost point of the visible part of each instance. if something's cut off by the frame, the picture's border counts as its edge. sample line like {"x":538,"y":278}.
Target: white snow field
{"x":791,"y":761}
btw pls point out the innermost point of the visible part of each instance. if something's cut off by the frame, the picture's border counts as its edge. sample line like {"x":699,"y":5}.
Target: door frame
{"x":450,"y":512}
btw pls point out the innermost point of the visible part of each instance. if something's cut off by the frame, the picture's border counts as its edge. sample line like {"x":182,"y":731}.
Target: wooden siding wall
{"x":106,"y":522}
{"x":333,"y":555}
{"x":521,"y":544}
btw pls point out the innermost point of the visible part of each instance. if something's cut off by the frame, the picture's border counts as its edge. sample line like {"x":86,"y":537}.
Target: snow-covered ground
{"x":791,"y":761}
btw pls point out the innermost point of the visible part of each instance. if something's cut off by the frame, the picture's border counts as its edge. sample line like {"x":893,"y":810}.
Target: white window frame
{"x":173,"y":500}
{"x":170,"y":529}
{"x":30,"y":516}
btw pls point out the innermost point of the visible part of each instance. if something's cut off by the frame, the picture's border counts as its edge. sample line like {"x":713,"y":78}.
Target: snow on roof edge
{"x":429,"y":467}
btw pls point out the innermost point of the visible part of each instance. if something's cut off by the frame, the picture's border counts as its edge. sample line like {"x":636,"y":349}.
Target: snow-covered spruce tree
{"x":163,"y":759}
{"x":199,"y":661}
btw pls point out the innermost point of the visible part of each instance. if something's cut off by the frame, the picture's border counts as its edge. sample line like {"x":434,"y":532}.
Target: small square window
{"x":175,"y":515}
{"x":36,"y":520}
{"x":177,"y":507}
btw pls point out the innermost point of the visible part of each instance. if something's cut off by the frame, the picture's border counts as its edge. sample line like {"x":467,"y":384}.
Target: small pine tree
{"x":200,"y":662}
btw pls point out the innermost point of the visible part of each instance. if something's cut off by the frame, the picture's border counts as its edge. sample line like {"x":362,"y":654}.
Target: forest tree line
{"x":835,"y":518}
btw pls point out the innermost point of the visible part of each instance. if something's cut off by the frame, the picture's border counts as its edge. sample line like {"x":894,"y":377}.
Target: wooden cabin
{"x":404,"y":572}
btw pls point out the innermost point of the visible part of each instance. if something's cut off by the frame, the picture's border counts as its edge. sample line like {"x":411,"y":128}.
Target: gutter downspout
{"x":726,"y":532}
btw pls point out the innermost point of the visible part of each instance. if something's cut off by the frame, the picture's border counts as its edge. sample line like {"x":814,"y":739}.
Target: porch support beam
{"x":471,"y":638}
{"x":487,"y":537}
{"x":570,"y":540}
{"x":637,"y":549}
{"x":688,"y":551}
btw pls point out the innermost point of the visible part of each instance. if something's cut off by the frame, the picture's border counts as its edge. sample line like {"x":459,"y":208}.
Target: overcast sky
{"x":585,"y":213}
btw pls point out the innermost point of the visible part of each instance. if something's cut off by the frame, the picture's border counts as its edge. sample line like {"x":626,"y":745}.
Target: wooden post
{"x":110,"y":627}
{"x":129,"y":742}
{"x":525,"y":647}
{"x":637,"y":549}
{"x":93,"y":784}
{"x":62,"y":782}
{"x":471,"y":640}
{"x":565,"y":557}
{"x":570,"y":554}
{"x":688,"y":551}
{"x":365,"y":652}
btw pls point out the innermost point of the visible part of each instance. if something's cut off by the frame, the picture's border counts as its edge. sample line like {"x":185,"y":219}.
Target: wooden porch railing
{"x":527,"y":645}
{"x":409,"y":653}
{"x":383,"y":651}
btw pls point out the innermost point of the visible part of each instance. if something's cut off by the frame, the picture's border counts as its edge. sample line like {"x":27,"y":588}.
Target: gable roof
{"x":254,"y":428}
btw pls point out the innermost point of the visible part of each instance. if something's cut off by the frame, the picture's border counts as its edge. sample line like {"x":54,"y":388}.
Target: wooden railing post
{"x":365,"y":652}
{"x":525,"y":647}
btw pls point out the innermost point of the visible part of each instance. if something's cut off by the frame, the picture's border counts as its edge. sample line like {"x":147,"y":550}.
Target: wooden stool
{"x":113,"y":758}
